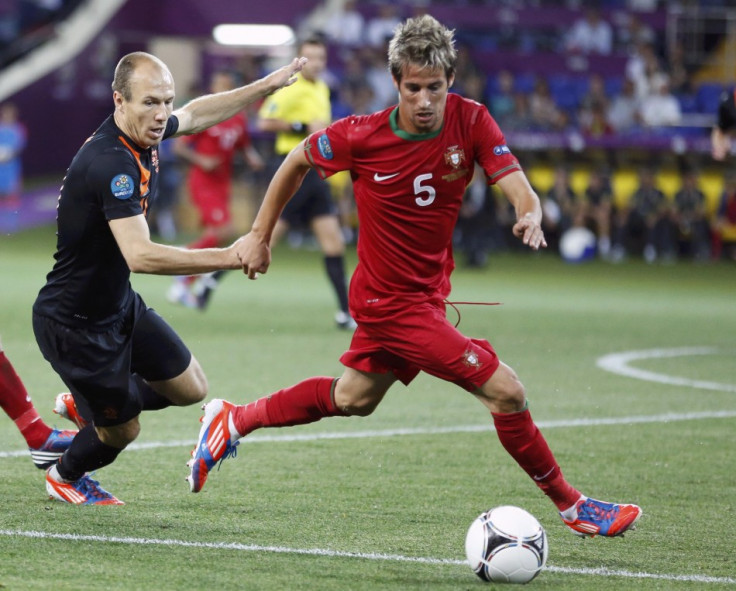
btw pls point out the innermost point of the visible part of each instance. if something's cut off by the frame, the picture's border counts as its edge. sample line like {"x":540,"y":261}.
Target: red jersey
{"x":221,"y":140}
{"x":408,"y":191}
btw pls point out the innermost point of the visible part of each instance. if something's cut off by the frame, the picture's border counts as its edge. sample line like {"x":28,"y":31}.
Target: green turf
{"x":352,"y":511}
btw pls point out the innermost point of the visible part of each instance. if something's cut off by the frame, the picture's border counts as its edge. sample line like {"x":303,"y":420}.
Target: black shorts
{"x":98,"y":367}
{"x":312,"y":199}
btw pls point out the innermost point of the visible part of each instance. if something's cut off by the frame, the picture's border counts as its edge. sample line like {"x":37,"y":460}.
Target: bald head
{"x":143,"y":93}
{"x":132,"y":63}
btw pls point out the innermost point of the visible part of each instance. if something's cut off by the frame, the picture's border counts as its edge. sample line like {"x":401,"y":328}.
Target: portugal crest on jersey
{"x":454,"y":157}
{"x":470,"y":359}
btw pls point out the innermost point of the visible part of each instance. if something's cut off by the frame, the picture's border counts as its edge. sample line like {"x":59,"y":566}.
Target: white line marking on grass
{"x":600,"y":571}
{"x":292,"y":437}
{"x":618,"y":363}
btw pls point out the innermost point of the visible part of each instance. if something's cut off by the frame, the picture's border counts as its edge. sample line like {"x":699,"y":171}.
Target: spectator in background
{"x":623,"y":112}
{"x":590,"y":34}
{"x":644,"y":69}
{"x":660,"y":108}
{"x":520,"y":118}
{"x":12,"y":143}
{"x":476,"y":228}
{"x":380,"y":28}
{"x":595,"y":124}
{"x":724,"y":230}
{"x":501,"y":103}
{"x":345,"y":25}
{"x":592,"y":114}
{"x":596,"y":95}
{"x":474,"y":88}
{"x":598,"y":209}
{"x":634,"y":31}
{"x":378,"y":78}
{"x":691,"y":216}
{"x":646,"y":223}
{"x":679,"y":73}
{"x":544,"y":112}
{"x":561,"y":208}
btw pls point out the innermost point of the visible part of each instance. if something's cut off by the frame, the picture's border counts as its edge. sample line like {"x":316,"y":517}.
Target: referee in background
{"x":292,"y":114}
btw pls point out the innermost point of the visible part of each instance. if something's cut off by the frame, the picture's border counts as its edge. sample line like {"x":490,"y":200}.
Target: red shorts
{"x":212,"y":203}
{"x":420,"y":339}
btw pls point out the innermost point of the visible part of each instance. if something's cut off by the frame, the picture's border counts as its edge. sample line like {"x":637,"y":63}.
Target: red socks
{"x":521,"y":438}
{"x":305,"y":402}
{"x":15,"y":401}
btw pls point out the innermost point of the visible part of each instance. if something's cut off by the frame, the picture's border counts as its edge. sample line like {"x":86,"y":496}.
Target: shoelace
{"x":91,"y":488}
{"x":230,"y":452}
{"x":596,"y":512}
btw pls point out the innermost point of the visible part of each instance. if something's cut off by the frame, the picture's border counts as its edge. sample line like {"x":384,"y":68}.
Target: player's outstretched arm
{"x":145,"y":256}
{"x":519,"y":192}
{"x":210,"y":109}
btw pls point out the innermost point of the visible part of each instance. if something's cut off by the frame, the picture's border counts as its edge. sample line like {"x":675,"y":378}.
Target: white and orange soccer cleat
{"x":84,"y":491}
{"x":64,"y":406}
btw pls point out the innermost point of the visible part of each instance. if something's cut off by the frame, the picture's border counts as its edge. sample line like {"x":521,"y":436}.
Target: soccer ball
{"x":506,"y":545}
{"x":577,"y":245}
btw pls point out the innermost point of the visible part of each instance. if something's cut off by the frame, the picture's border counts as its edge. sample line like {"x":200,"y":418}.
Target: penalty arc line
{"x":601,"y":571}
{"x":618,"y":363}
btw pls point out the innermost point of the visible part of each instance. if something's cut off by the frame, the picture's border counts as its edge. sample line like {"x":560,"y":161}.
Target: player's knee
{"x":360,"y":408}
{"x":352,"y":405}
{"x":505,"y":390}
{"x":202,"y":388}
{"x":197,"y":386}
{"x":119,"y":435}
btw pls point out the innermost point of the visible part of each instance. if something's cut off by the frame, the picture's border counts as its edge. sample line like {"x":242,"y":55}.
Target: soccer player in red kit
{"x":410,"y":165}
{"x":45,"y":444}
{"x":210,"y":154}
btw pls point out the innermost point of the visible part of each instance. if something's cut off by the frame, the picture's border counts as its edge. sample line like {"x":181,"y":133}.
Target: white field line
{"x":234,"y":546}
{"x":561,"y":424}
{"x":618,"y":363}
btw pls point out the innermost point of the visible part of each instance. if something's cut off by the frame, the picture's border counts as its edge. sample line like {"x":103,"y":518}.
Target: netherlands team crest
{"x":154,"y":159}
{"x":454,"y":156}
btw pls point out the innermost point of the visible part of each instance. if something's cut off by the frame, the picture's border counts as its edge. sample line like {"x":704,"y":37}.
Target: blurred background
{"x":607,"y":105}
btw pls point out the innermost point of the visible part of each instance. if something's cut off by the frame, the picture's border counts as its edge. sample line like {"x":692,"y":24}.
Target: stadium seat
{"x":564,"y":92}
{"x":613,"y":84}
{"x":688,"y":103}
{"x":707,"y":96}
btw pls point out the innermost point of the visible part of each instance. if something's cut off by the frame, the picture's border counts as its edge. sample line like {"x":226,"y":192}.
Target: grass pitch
{"x":384,"y":502}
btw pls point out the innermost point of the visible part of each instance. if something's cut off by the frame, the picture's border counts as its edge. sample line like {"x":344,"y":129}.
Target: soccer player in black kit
{"x":725,"y":126}
{"x":116,"y":355}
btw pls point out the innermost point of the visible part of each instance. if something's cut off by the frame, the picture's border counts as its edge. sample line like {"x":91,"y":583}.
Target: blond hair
{"x":425,"y":42}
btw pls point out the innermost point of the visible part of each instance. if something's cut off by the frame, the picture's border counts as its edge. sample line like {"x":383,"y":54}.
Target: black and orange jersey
{"x":109,"y":178}
{"x":727,"y":111}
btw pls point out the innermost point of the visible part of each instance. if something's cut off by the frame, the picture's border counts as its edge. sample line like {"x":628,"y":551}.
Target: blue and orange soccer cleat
{"x":84,"y":491}
{"x":214,"y":444}
{"x":606,"y":519}
{"x":52,"y":449}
